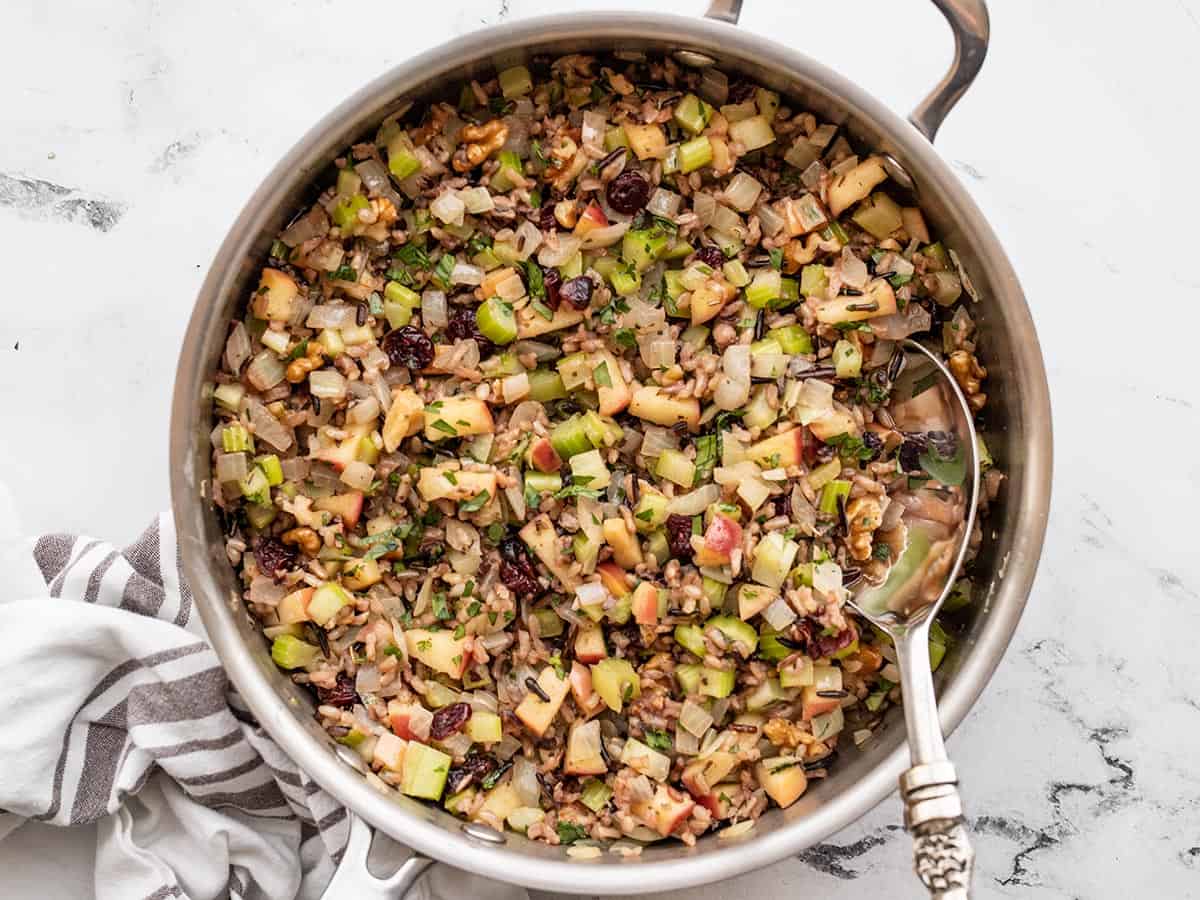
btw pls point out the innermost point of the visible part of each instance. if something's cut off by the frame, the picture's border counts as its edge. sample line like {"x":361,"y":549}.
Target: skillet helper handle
{"x":943,"y":857}
{"x":968,"y":20}
{"x":353,"y":879}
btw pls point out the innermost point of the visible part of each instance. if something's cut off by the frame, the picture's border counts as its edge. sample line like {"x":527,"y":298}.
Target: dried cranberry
{"x":679,"y":536}
{"x":822,"y":645}
{"x":475,"y":767}
{"x":545,"y":218}
{"x":273,"y":556}
{"x":553,"y":284}
{"x":910,"y":453}
{"x":408,"y":347}
{"x":577,"y":291}
{"x":873,"y":442}
{"x":629,"y":192}
{"x":711,"y":255}
{"x":449,"y":720}
{"x":741,"y":91}
{"x":462,"y":325}
{"x":513,"y":550}
{"x":517,"y":570}
{"x":342,"y":694}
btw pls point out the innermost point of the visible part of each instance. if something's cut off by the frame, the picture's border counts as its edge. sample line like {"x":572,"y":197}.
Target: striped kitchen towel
{"x":117,"y":712}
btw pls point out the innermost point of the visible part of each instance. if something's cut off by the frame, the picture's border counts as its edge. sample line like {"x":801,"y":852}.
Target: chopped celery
{"x":847,"y":359}
{"x":674,"y":466}
{"x":332,"y":341}
{"x":694,"y":154}
{"x":813,"y":281}
{"x":546,"y":385}
{"x":260,"y":515}
{"x":650,"y":512}
{"x":229,"y":396}
{"x":835,"y":232}
{"x":658,"y":547}
{"x":515,"y":82}
{"x":767,"y":103}
{"x":671,"y":159}
{"x":497,"y":321}
{"x":752,"y":133}
{"x":769,"y":647}
{"x":936,"y":253}
{"x":595,"y":794}
{"x":878,"y":214}
{"x":402,"y":160}
{"x":589,"y":470}
{"x":673,"y":281}
{"x":626,"y":281}
{"x":236,"y":439}
{"x":605,"y":266}
{"x":641,"y":248}
{"x":735,"y":630}
{"x":348,"y":182}
{"x":714,"y":590}
{"x":736,"y":273}
{"x":569,"y":438}
{"x":550,"y":624}
{"x":255,"y":487}
{"x":271,"y":468}
{"x":543,"y":482}
{"x":764,"y":288}
{"x":572,"y":268}
{"x":614,"y":138}
{"x":789,"y":290}
{"x":792,"y":339}
{"x":510,"y":174}
{"x":289,"y":652}
{"x":693,"y":114}
{"x":831,"y":493}
{"x":345,"y":212}
{"x":823,"y":473}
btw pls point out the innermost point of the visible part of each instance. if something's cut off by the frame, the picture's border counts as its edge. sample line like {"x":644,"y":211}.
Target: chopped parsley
{"x":882,"y":551}
{"x":607,"y":315}
{"x":569,"y":832}
{"x":344,"y":272}
{"x":451,"y":477}
{"x":441,"y":609}
{"x":578,"y":490}
{"x":602,"y":376}
{"x":776,"y":258}
{"x":659,"y":740}
{"x":443,"y":425}
{"x":460,"y":632}
{"x":474,"y":607}
{"x":301,"y":349}
{"x":625,"y":337}
{"x":425,"y":645}
{"x":412,"y":255}
{"x":392,"y":650}
{"x":441,"y":274}
{"x":478,"y":243}
{"x":535,"y":283}
{"x":476,"y":503}
{"x":708,"y":451}
{"x":852,"y":448}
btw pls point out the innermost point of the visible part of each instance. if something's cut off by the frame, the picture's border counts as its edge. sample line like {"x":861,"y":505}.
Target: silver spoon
{"x":933,"y":814}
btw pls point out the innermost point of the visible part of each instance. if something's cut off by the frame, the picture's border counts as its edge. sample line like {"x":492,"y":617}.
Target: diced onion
{"x":704,"y":205}
{"x":593,"y":129}
{"x":448,"y":207}
{"x":811,"y":177}
{"x":656,"y":440}
{"x":484,"y":701}
{"x":507,"y":747}
{"x":231,"y":467}
{"x":515,"y":387}
{"x":367,"y":680}
{"x":515,"y":494}
{"x":529,"y":238}
{"x":477,"y":200}
{"x":604,"y":237}
{"x":327,"y":315}
{"x":827,"y":577}
{"x":433,"y":309}
{"x":695,"y":718}
{"x":376,"y":180}
{"x":237,"y":348}
{"x":593,"y":593}
{"x":694,"y":502}
{"x":295,"y":468}
{"x":457,"y":745}
{"x":358,"y":475}
{"x":742,"y":192}
{"x":559,"y":252}
{"x":465,"y":273}
{"x":854,"y":270}
{"x":826,"y":678}
{"x":738,"y":472}
{"x":734,"y":390}
{"x":664,"y":203}
{"x":314,"y":223}
{"x":525,"y":781}
{"x":327,"y":384}
{"x":726,"y":221}
{"x":511,"y":288}
{"x":365,"y":410}
{"x":267,"y":427}
{"x":898,"y":326}
{"x":543,"y":352}
{"x":265,"y":371}
{"x":828,"y":725}
{"x":815,"y":400}
{"x":686,"y":742}
{"x":779,"y":615}
{"x":771,"y":221}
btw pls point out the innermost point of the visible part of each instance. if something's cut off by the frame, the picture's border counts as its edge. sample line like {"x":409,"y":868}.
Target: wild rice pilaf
{"x":557,"y":429}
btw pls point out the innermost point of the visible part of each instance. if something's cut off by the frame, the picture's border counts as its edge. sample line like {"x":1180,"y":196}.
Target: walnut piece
{"x":307,"y":540}
{"x":863,"y":516}
{"x":784,"y":733}
{"x":969,"y":374}
{"x":479,"y":142}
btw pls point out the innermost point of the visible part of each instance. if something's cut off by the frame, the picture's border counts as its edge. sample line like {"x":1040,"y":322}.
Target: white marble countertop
{"x":134,"y":131}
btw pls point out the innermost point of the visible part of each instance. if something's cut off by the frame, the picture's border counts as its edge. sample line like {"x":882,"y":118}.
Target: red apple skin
{"x":543,"y":457}
{"x":663,"y":812}
{"x":581,"y":688}
{"x":645,"y":604}
{"x":812,"y":705}
{"x":591,"y":218}
{"x":399,"y":723}
{"x":711,"y":803}
{"x":612,"y":577}
{"x":589,"y":645}
{"x":722,"y":536}
{"x":348,"y":506}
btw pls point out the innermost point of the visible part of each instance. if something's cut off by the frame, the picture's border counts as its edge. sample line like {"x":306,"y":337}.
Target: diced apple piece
{"x":536,"y":713}
{"x":542,"y":538}
{"x":650,"y":404}
{"x":615,"y":681}
{"x":543,"y":457}
{"x":581,"y":688}
{"x":276,"y":296}
{"x":584,"y":756}
{"x":626,"y":550}
{"x":783,"y":778}
{"x":701,"y":774}
{"x":720,"y":801}
{"x":425,"y":771}
{"x":615,"y":396}
{"x":348,"y":506}
{"x":720,"y":538}
{"x":612,"y":576}
{"x":645,"y":604}
{"x":589,"y":643}
{"x":346,"y":450}
{"x":440,"y":650}
{"x":444,"y":483}
{"x":410,"y":721}
{"x":877,"y":300}
{"x":666,"y":811}
{"x":850,"y":187}
{"x":294,"y":607}
{"x":531,"y":324}
{"x":646,"y":141}
{"x":457,"y":417}
{"x":773,"y":559}
{"x":590,"y":219}
{"x":833,"y":423}
{"x":709,"y":299}
{"x":498,"y":803}
{"x":813,"y":705}
{"x":753,"y":599}
{"x":645,"y":760}
{"x":326,"y":601}
{"x":404,"y":418}
{"x":389,"y":752}
{"x":782,"y":450}
{"x":360,"y":574}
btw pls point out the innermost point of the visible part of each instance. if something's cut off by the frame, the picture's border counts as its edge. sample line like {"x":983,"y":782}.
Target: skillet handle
{"x":353,"y":879}
{"x":968,"y":20}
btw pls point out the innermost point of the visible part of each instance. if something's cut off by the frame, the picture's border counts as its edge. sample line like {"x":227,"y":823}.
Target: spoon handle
{"x":942,"y":853}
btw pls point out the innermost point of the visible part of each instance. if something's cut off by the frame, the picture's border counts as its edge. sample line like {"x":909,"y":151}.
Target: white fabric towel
{"x":117,"y":711}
